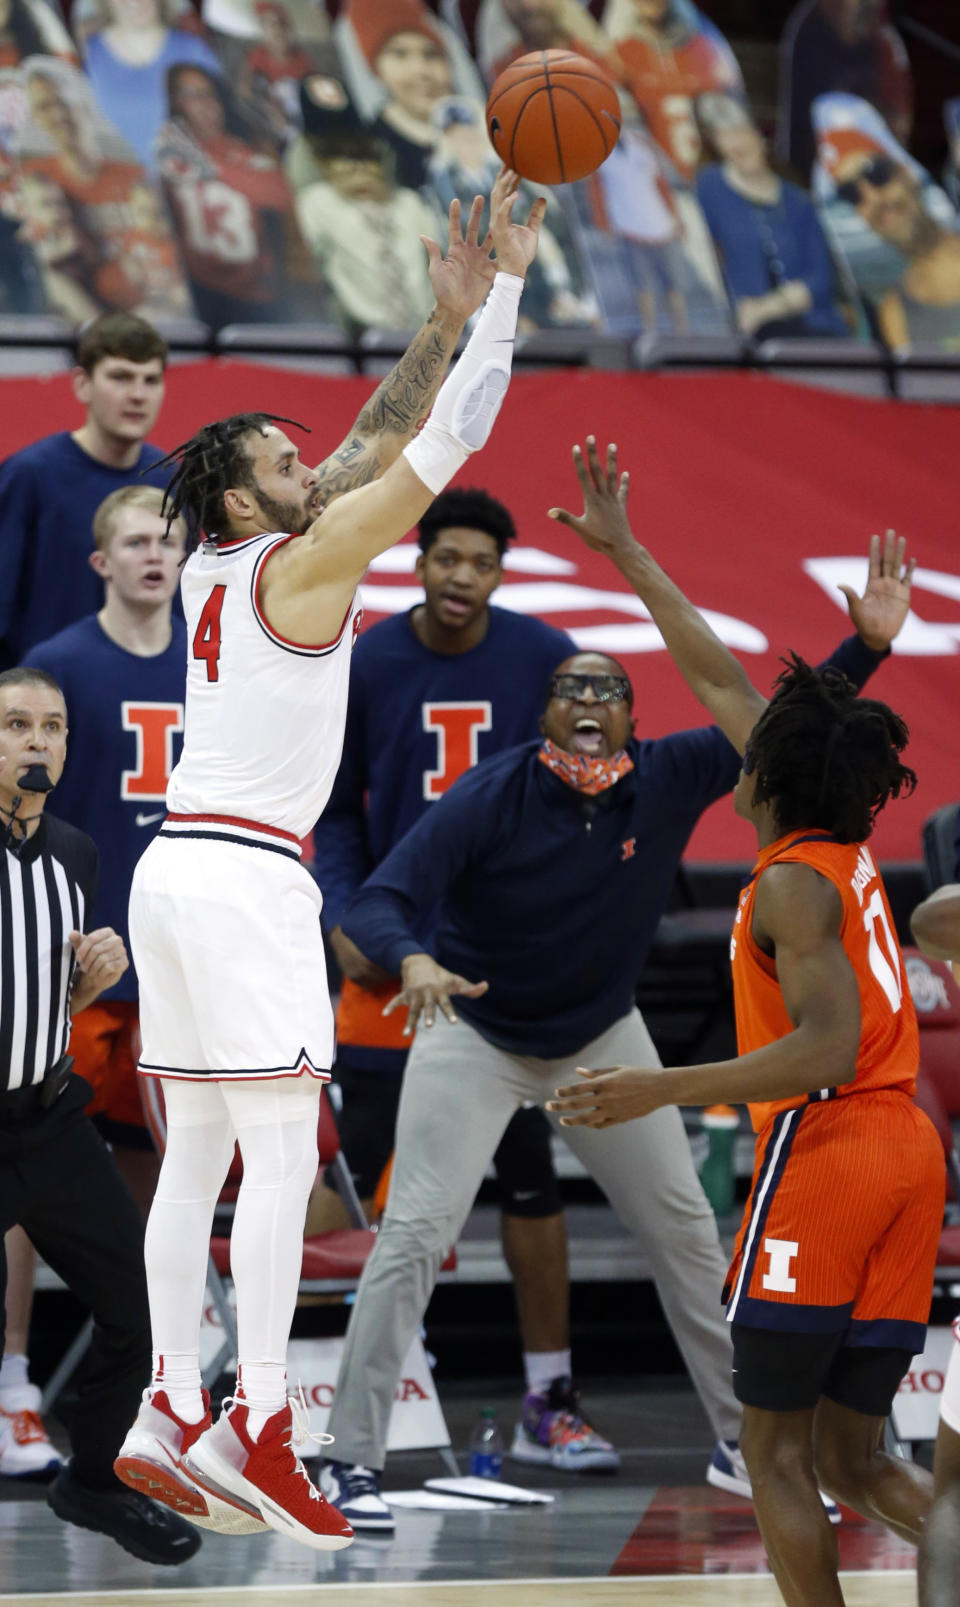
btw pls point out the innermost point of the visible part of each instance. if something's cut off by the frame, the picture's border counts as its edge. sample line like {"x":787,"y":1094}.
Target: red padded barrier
{"x":737,"y":479}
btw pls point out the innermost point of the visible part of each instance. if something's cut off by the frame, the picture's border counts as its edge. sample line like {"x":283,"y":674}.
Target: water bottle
{"x":718,"y":1172}
{"x":486,"y":1446}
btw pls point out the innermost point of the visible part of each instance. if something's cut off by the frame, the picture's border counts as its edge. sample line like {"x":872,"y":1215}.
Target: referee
{"x":58,"y":1180}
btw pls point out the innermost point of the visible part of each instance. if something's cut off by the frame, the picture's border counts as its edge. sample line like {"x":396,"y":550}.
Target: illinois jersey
{"x":889,"y":1048}
{"x":125,"y":720}
{"x":840,"y":1230}
{"x":264,"y":716}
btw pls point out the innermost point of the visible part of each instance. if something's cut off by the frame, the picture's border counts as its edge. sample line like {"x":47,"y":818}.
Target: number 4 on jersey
{"x":206,"y":641}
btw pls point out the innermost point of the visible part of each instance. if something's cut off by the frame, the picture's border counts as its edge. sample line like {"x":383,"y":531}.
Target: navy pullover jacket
{"x":551,"y":897}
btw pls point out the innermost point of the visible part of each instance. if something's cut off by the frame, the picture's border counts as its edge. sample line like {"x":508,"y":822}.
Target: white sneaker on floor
{"x":728,"y":1471}
{"x":25,"y":1448}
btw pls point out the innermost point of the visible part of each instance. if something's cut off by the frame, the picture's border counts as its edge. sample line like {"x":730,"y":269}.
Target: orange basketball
{"x":553,"y":116}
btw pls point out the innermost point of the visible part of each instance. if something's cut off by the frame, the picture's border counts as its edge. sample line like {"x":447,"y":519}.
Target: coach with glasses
{"x":549,"y":867}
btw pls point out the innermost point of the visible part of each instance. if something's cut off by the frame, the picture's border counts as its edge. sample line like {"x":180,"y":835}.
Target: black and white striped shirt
{"x":46,"y":892}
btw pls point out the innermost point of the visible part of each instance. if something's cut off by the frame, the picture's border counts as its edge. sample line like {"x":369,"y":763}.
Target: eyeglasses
{"x":605,"y":688}
{"x":877,"y":172}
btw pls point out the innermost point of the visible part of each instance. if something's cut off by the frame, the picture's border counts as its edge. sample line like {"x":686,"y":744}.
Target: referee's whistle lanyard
{"x":13,"y":839}
{"x":34,"y":779}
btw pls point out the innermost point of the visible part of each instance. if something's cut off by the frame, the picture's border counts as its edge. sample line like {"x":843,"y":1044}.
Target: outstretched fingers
{"x":455,"y":236}
{"x":582,"y":472}
{"x":507,"y":205}
{"x":434,"y":254}
{"x":537,"y":214}
{"x":598,"y":479}
{"x":612,"y":468}
{"x":888,"y":558}
{"x":473,"y":221}
{"x":895,"y":556}
{"x":392,"y":1004}
{"x":873,"y":568}
{"x":504,"y":184}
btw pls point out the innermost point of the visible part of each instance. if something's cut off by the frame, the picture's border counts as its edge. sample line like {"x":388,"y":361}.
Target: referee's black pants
{"x":59,"y":1182}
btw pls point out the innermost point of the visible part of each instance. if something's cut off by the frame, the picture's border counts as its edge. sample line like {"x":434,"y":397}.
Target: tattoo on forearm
{"x":337,"y":476}
{"x":351,"y":450}
{"x":398,"y":405}
{"x":408,"y":392}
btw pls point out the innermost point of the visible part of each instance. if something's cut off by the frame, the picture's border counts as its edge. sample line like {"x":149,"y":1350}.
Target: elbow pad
{"x":471,"y":395}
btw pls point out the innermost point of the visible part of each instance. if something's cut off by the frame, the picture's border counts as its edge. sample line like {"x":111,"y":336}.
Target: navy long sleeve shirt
{"x":551,"y":897}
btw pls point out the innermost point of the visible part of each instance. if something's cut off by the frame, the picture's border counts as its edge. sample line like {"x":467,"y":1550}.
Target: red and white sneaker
{"x":266,"y":1473}
{"x":151,"y":1460}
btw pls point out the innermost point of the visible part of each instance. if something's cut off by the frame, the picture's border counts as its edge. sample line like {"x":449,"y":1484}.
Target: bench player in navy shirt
{"x":123,"y":674}
{"x":50,"y":490}
{"x":432,"y":691}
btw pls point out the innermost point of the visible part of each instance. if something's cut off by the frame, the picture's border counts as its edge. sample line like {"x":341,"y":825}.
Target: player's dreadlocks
{"x":208,"y":464}
{"x":825,"y":757}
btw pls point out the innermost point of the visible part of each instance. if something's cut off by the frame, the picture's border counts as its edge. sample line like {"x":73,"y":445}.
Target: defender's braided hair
{"x":207,"y":465}
{"x":825,"y":757}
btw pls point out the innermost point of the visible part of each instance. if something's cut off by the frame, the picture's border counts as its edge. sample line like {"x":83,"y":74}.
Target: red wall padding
{"x":736,"y":479}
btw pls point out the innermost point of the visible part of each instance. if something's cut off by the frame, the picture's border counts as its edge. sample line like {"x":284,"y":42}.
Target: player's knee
{"x":755,"y":1436}
{"x":771,"y":1454}
{"x":843,"y":1467}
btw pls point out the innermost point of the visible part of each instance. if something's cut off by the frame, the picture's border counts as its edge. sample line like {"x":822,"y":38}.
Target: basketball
{"x":553,"y":116}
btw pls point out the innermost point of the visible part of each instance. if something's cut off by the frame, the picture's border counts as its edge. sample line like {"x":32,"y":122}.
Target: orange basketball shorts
{"x":841,"y":1228}
{"x":105,"y":1045}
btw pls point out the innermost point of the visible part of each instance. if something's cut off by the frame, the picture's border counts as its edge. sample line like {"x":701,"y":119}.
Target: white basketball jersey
{"x":264,"y":718}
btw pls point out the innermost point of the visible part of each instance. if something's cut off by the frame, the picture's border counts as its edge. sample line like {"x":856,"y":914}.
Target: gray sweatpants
{"x":459,"y":1092}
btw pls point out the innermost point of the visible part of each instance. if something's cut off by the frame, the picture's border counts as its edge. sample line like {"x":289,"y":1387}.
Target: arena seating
{"x":314,"y":168}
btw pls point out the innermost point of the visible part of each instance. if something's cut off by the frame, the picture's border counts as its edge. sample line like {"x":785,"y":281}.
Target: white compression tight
{"x":275,"y":1124}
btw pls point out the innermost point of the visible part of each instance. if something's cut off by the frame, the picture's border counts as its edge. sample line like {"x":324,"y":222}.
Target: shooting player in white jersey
{"x":224,"y":921}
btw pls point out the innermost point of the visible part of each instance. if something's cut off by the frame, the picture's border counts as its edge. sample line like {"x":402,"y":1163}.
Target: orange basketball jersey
{"x":889,"y":1051}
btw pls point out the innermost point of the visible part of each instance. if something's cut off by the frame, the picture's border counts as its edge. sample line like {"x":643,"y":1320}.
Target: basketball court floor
{"x":653,"y":1534}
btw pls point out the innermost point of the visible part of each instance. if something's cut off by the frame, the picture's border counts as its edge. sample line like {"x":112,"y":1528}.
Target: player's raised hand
{"x":603,"y":524}
{"x":605,"y":1098}
{"x":879,"y":614}
{"x":462,"y":276}
{"x":514,"y":244}
{"x":427,"y":985}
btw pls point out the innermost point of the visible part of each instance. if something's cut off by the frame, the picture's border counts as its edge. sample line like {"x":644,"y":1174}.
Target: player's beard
{"x":293,"y":518}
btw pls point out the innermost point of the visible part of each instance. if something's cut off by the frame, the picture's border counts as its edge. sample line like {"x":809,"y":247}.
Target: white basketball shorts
{"x":225,"y":934}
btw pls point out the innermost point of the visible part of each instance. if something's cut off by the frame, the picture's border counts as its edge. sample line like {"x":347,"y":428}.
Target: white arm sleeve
{"x":469,"y":400}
